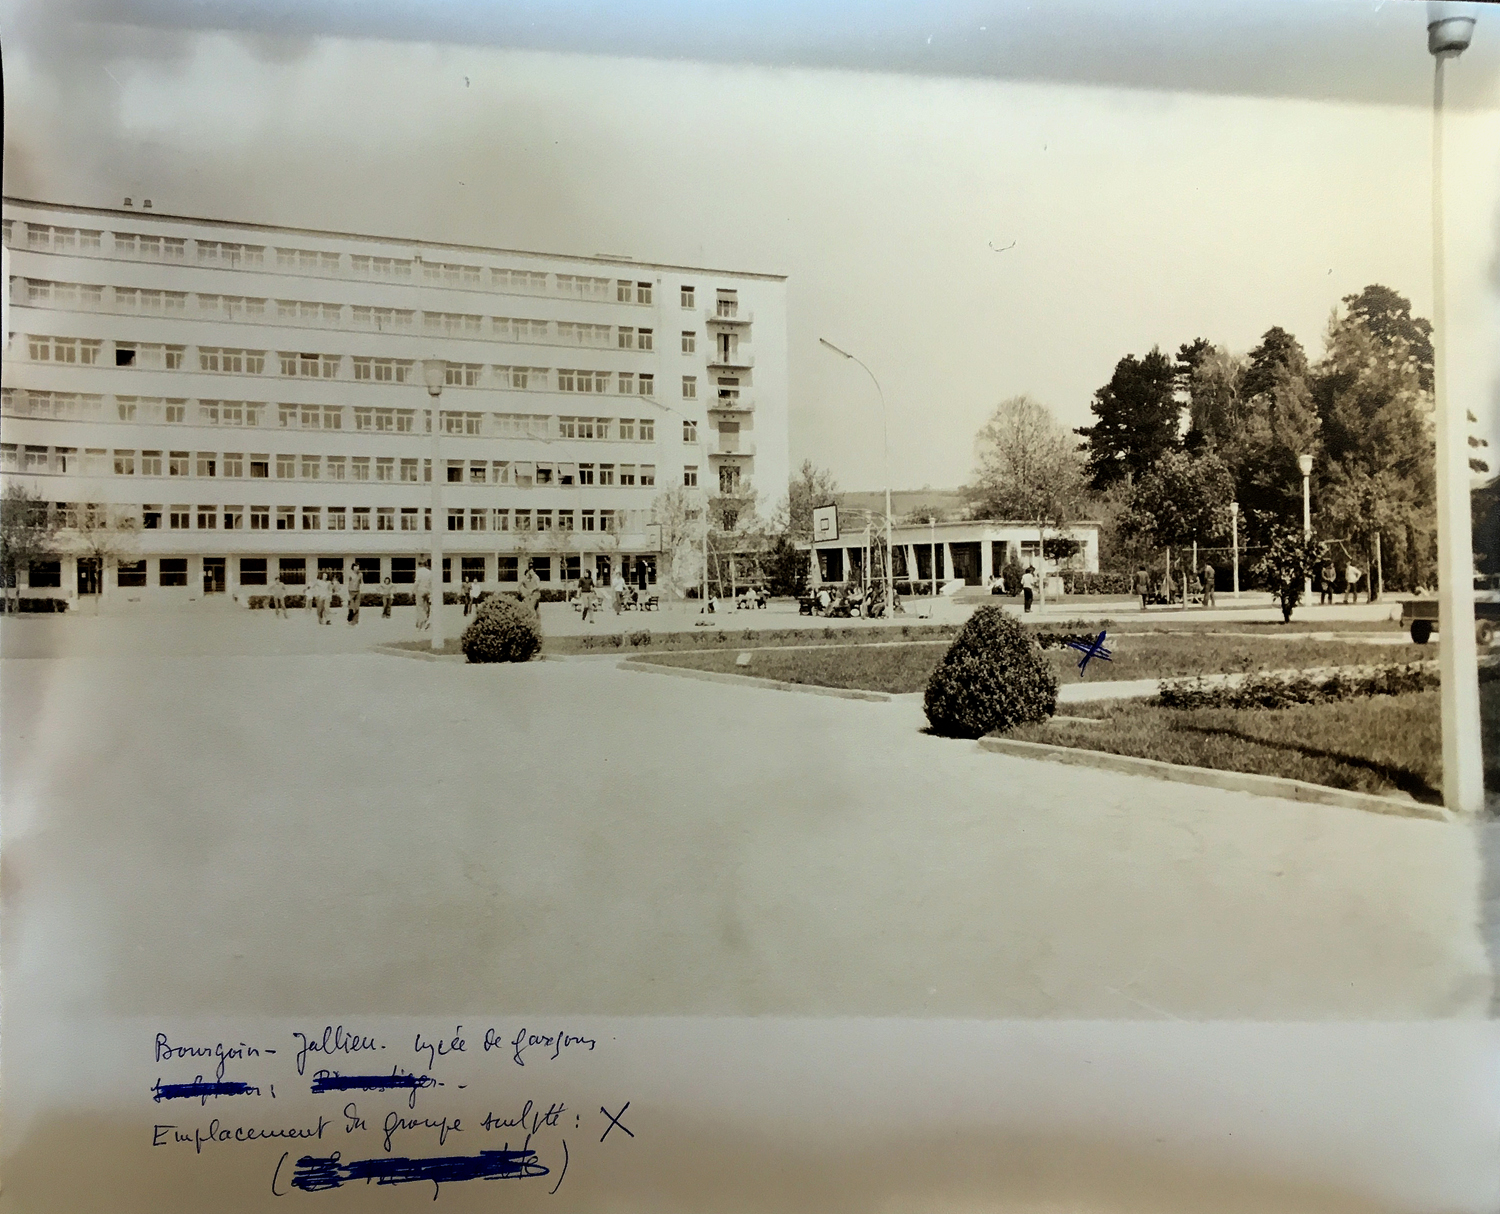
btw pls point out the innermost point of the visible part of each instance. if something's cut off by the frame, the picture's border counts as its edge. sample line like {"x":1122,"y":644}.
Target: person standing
{"x":356,"y":592}
{"x":1352,"y":574}
{"x":469,"y":596}
{"x":1208,"y":585}
{"x":424,"y":596}
{"x":531,"y":587}
{"x":387,"y":597}
{"x":309,"y":599}
{"x":1327,"y":575}
{"x":1142,"y":585}
{"x":1028,"y":587}
{"x":278,"y":597}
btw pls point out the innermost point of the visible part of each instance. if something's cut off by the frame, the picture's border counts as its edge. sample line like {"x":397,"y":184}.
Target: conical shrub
{"x":503,"y":630}
{"x":992,"y":678}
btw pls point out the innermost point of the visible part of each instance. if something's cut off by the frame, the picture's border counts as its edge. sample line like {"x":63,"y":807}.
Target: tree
{"x":810,"y":488}
{"x":681,"y":515}
{"x":1184,"y":498}
{"x":1216,"y":414}
{"x":1137,"y":419}
{"x":28,"y":532}
{"x":786,"y":567}
{"x":1027,"y":463}
{"x":1387,"y":315}
{"x":103,"y":534}
{"x":1289,"y":560}
{"x":1477,"y":465}
{"x":1278,"y":350}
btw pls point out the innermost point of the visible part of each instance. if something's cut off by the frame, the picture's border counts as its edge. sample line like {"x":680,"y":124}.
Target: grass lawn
{"x":905,"y":668}
{"x":1381,"y":744}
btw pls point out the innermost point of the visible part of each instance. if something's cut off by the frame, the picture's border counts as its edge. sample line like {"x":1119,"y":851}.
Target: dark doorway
{"x":213,"y":574}
{"x":90,"y":575}
{"x":966,"y":562}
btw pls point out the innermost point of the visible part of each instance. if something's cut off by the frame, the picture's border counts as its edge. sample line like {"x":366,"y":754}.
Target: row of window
{"x":151,"y":356}
{"x":70,"y":240}
{"x":292,"y":571}
{"x":375,"y":518}
{"x":233,"y":465}
{"x":253,"y":414}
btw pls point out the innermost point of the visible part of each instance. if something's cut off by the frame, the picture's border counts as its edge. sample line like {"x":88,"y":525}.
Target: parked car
{"x":1421,"y":615}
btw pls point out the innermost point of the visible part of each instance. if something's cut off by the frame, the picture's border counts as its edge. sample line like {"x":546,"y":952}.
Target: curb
{"x":746,"y":680}
{"x":1230,"y":781}
{"x":421,"y":655}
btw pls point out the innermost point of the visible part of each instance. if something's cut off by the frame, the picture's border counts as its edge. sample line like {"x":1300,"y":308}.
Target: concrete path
{"x":345,"y":832}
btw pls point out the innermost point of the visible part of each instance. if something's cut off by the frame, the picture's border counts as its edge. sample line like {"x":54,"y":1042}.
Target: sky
{"x":979,"y":200}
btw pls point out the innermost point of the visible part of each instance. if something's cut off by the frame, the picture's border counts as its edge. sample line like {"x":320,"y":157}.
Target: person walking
{"x":387,"y":597}
{"x":1352,"y":574}
{"x":1142,"y":585}
{"x":424,"y":596}
{"x":531,"y":587}
{"x":1327,"y":575}
{"x":1028,"y":586}
{"x":356,"y":592}
{"x":278,"y":597}
{"x":586,"y":595}
{"x":309,"y":599}
{"x":324,"y":598}
{"x":1208,"y":585}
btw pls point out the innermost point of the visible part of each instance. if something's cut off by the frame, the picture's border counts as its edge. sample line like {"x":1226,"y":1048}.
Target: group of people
{"x":853,"y":600}
{"x":1328,"y":577}
{"x":1027,"y":587}
{"x":1194,"y":584}
{"x":318,"y":599}
{"x":588,"y":598}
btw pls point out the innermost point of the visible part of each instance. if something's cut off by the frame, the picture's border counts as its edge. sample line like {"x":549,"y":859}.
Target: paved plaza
{"x":211,"y":813}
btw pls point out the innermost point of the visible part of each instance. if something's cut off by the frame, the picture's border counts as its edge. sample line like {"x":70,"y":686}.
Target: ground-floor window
{"x":369,"y":568}
{"x":172,"y":571}
{"x":572,"y":567}
{"x":293,"y":570}
{"x":45,"y":575}
{"x":252,"y":571}
{"x":505,"y":569}
{"x":543,"y":567}
{"x":404,"y":570}
{"x":130,"y":574}
{"x":331,"y":568}
{"x":473,"y":569}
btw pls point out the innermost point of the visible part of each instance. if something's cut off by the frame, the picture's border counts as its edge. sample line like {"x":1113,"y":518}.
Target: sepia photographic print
{"x":910,"y":598}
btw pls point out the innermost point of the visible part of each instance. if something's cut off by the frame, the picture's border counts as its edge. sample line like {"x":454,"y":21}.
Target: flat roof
{"x":595,"y":259}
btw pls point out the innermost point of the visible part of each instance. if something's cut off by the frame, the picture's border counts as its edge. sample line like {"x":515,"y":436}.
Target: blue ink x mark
{"x":316,"y":1173}
{"x":201,"y":1090}
{"x":1089,"y":649}
{"x":614,"y":1120}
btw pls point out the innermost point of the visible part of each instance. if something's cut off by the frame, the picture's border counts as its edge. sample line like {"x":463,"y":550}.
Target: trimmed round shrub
{"x":992,"y":678}
{"x":503,"y":630}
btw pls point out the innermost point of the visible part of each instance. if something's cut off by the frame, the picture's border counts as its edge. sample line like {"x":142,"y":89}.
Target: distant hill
{"x":941,"y":503}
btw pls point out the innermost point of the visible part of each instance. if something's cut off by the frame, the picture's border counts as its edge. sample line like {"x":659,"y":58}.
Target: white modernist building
{"x":971,"y":551}
{"x":205,"y":405}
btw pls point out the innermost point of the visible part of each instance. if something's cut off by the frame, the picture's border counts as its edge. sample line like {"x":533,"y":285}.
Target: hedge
{"x":1283,"y":690}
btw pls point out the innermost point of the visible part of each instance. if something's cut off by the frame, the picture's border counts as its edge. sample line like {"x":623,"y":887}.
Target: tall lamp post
{"x":1450,"y":27}
{"x":1305,"y":463}
{"x":1234,"y":524}
{"x":885,"y":427}
{"x":434,"y":372}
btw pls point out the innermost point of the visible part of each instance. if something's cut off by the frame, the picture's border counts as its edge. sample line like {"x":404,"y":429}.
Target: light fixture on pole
{"x":1450,"y":27}
{"x":890,"y":576}
{"x":1234,"y":523}
{"x":434,"y":372}
{"x":1305,"y":463}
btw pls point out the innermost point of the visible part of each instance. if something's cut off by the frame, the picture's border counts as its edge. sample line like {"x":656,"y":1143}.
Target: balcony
{"x":719,"y":444}
{"x":728,"y":316}
{"x":733,"y":360}
{"x":743,"y":403}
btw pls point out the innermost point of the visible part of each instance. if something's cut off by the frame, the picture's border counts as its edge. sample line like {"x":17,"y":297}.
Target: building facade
{"x":206,"y":405}
{"x":971,"y":552}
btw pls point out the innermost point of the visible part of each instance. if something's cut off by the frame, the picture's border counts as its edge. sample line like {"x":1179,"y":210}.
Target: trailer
{"x":1421,"y":615}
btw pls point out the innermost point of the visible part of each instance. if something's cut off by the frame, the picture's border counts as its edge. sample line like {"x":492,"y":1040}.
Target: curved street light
{"x":890,"y":565}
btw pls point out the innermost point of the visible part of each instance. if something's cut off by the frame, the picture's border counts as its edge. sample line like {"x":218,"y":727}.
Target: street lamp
{"x":1305,"y":463}
{"x":434,"y":372}
{"x":890,"y":568}
{"x":1450,"y":27}
{"x":1234,"y":524}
